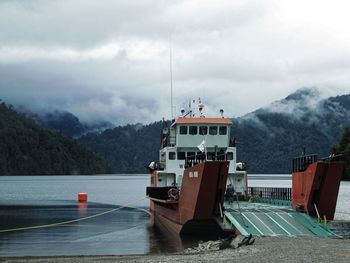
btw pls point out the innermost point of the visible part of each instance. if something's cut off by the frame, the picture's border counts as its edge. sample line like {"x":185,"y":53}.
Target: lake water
{"x":39,"y":200}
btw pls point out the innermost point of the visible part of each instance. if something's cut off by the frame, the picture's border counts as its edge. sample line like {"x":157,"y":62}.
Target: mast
{"x":171,"y":81}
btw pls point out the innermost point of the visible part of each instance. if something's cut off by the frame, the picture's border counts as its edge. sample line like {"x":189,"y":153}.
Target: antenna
{"x":200,"y":107}
{"x":182,"y":112}
{"x":171,"y":80}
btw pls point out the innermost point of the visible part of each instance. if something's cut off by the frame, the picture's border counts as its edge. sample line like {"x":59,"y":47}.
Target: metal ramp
{"x":270,"y":220}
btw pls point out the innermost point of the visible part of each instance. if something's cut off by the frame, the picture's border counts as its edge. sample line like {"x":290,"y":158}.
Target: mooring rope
{"x":72,"y":221}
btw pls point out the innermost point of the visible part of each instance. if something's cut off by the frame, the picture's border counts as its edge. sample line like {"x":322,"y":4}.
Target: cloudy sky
{"x":109,"y":59}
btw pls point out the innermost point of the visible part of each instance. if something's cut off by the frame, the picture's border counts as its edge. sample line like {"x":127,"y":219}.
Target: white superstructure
{"x":182,"y":144}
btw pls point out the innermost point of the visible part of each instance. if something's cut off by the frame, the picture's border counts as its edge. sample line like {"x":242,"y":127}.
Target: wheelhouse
{"x":189,"y":141}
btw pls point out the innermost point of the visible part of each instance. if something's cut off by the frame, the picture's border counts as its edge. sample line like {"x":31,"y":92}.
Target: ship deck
{"x":263,"y":219}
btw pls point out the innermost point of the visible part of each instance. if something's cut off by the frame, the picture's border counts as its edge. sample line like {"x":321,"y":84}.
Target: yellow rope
{"x":72,"y":221}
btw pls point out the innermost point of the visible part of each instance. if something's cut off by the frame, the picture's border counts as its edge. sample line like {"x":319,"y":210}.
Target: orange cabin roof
{"x":183,"y":120}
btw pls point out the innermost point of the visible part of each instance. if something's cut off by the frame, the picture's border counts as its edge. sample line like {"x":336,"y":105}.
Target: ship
{"x":198,"y":187}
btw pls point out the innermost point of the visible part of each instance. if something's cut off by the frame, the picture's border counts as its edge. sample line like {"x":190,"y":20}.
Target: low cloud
{"x":110,"y":59}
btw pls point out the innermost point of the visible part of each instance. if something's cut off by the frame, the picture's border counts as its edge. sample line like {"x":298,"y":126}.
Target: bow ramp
{"x":268,"y":220}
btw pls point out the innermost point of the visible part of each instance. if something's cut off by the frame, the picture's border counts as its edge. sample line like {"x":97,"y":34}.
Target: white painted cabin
{"x":180,"y":145}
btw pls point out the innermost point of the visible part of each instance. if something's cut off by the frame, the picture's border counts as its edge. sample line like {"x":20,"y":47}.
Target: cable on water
{"x":71,"y":221}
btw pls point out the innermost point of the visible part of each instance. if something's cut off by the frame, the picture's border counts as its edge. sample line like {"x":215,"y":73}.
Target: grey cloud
{"x":87,"y":23}
{"x":78,"y":23}
{"x":110,"y":59}
{"x":93,"y":92}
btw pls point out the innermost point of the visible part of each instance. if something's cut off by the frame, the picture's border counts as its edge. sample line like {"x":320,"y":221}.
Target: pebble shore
{"x":265,"y":249}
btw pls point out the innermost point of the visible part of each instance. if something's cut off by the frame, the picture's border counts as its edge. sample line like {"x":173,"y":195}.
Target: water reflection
{"x":82,"y":208}
{"x":125,"y":231}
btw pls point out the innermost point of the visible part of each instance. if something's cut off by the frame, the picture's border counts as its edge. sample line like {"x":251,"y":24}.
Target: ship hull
{"x":200,"y":202}
{"x":163,"y":220}
{"x":315,"y":190}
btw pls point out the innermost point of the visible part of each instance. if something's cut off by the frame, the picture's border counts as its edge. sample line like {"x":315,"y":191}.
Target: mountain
{"x":268,"y":138}
{"x":343,"y":147}
{"x":28,"y":149}
{"x":128,"y":148}
{"x":64,"y":121}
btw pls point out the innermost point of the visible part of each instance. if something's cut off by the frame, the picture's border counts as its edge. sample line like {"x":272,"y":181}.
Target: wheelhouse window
{"x":183,"y":129}
{"x":203,"y":130}
{"x":181,"y":155}
{"x":172,"y":155}
{"x":162,"y":157}
{"x":200,"y":156}
{"x":213,"y":130}
{"x":191,"y":155}
{"x":193,"y":130}
{"x":211,"y":156}
{"x":223,"y":130}
{"x":221,"y":155}
{"x":229,"y":156}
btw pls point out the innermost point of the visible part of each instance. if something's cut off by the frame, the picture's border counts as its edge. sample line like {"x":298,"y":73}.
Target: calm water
{"x":39,"y":200}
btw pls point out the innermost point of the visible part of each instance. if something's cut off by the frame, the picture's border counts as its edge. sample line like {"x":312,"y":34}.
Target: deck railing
{"x":200,"y":157}
{"x":158,"y":192}
{"x":300,"y":164}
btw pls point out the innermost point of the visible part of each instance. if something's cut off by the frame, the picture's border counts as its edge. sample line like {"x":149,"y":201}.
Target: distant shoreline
{"x":250,"y":176}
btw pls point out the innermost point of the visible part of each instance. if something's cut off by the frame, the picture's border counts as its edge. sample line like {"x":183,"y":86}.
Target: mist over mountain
{"x":64,"y":121}
{"x":271,"y":136}
{"x":268,"y":138}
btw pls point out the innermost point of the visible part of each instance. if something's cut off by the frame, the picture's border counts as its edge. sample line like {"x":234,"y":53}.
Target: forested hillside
{"x":343,"y":147}
{"x":268,"y":138}
{"x":27,"y":149}
{"x":128,"y":148}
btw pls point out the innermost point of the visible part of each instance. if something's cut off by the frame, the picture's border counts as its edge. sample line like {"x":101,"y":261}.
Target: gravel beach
{"x":265,"y":249}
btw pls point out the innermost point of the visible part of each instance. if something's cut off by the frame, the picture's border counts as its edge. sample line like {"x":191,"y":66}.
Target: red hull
{"x":318,"y":185}
{"x":201,"y":199}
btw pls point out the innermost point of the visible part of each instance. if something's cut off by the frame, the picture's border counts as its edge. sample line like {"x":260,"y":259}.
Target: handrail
{"x":279,"y":193}
{"x":300,"y":164}
{"x":192,"y":160}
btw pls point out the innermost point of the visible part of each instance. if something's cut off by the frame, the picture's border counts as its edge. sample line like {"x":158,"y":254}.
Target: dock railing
{"x":278,"y":193}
